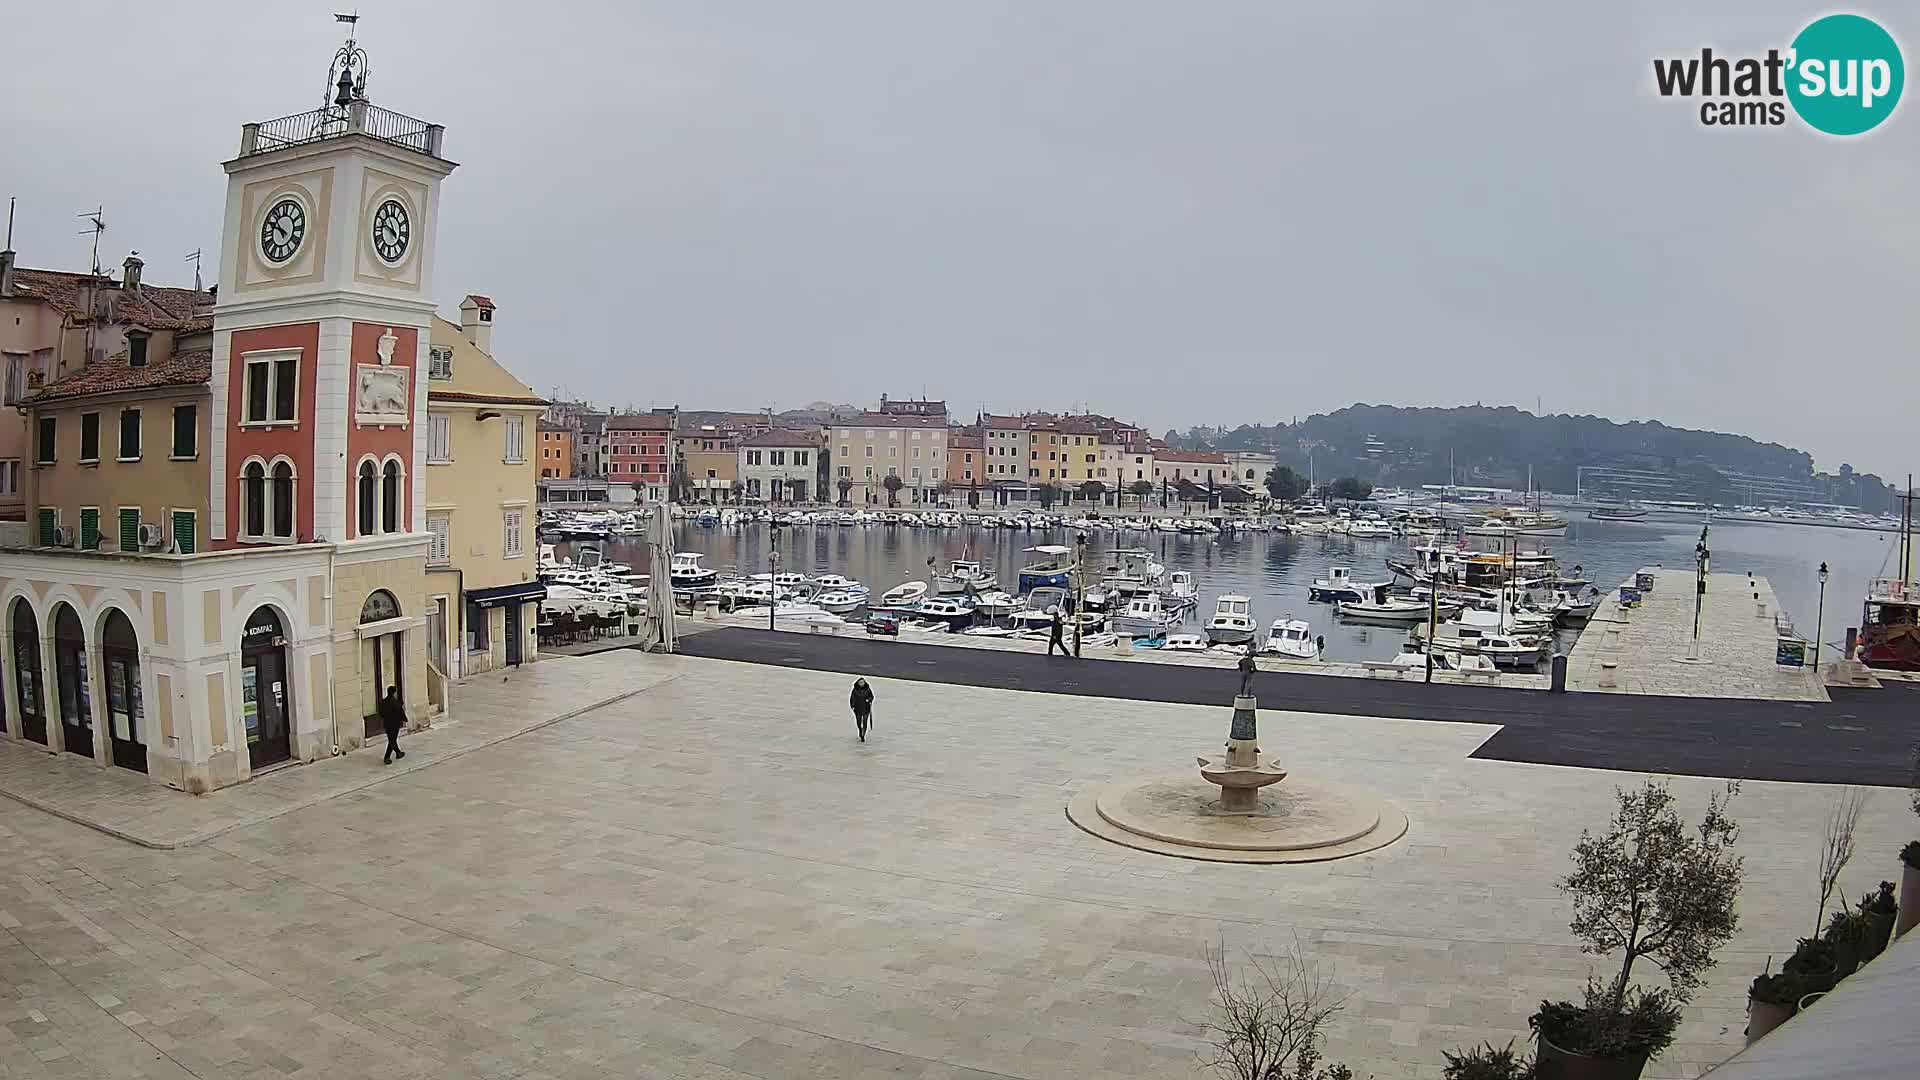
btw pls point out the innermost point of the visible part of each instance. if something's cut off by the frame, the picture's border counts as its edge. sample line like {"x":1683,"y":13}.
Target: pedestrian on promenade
{"x":862,"y":701}
{"x":393,"y":716}
{"x":1056,"y":641}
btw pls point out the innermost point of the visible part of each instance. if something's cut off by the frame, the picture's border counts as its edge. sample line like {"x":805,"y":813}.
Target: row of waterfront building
{"x":908,"y":452}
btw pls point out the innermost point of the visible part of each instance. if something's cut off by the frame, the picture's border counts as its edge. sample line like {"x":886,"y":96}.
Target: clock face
{"x":391,"y":231}
{"x":282,"y":230}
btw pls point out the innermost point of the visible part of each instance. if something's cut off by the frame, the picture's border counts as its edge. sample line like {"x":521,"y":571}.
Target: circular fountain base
{"x":1182,"y":815}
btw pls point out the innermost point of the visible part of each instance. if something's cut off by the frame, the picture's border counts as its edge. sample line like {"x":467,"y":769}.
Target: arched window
{"x":390,"y":497}
{"x":380,"y":606}
{"x":283,"y":500}
{"x":253,"y":498}
{"x":368,"y":481}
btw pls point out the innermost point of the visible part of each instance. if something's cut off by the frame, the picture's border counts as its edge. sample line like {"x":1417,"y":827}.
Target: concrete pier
{"x":1645,"y":650}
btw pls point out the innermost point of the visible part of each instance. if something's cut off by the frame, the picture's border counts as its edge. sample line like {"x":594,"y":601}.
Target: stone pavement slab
{"x":713,"y":879}
{"x":485,"y":710}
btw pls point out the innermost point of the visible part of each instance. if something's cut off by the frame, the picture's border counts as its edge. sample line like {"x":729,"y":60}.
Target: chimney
{"x":131,"y":281}
{"x":6,"y":272}
{"x":476,"y":321}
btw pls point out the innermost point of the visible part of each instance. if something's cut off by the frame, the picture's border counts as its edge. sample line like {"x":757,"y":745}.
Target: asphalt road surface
{"x":1861,"y":737}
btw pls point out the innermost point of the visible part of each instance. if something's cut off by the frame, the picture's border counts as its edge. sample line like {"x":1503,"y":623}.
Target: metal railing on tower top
{"x":359,"y":118}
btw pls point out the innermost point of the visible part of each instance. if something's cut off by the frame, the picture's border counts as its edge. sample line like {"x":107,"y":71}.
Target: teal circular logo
{"x":1846,"y":74}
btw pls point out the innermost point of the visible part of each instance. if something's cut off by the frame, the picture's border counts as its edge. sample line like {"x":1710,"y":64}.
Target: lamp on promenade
{"x":1700,"y":557}
{"x":773,"y":571}
{"x":1820,"y":619}
{"x":1080,"y":589}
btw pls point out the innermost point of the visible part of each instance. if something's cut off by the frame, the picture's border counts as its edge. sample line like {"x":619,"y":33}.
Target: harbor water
{"x":1276,"y":569}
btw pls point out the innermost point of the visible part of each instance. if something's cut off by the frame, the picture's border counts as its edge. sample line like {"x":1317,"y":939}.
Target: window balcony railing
{"x":359,"y":118}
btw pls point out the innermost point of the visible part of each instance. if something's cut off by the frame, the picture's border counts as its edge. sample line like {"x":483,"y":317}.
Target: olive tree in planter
{"x":1646,"y":887}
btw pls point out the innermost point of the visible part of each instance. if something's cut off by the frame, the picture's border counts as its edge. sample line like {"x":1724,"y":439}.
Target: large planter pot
{"x":1909,"y":899}
{"x":1764,"y":1016}
{"x":1879,"y":930}
{"x":1555,"y":1063}
{"x":1846,"y":958}
{"x":1820,"y":980}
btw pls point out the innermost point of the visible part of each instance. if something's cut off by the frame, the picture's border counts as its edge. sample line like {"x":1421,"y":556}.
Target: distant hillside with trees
{"x":1494,"y":447}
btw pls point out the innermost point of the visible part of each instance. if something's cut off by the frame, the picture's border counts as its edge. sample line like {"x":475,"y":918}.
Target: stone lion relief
{"x":380,"y":395}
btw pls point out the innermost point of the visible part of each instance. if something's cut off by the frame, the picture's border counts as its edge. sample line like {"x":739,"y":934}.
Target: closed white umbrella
{"x":660,"y":628}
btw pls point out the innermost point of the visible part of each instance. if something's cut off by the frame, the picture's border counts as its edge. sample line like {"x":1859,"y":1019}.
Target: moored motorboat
{"x":904,"y":597}
{"x":1386,"y":609}
{"x":1291,"y":638}
{"x":1232,"y":622}
{"x":1051,"y":564}
{"x":1143,"y":616}
{"x":1339,"y":584}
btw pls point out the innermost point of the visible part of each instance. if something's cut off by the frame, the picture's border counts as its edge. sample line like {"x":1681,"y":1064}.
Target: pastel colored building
{"x":640,"y":453}
{"x":873,"y":446}
{"x":780,"y":465}
{"x":556,"y":451}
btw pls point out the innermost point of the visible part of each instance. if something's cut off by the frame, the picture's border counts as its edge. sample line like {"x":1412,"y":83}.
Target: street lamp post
{"x":1819,"y":620}
{"x":773,"y":571}
{"x":1700,"y":556}
{"x":1079,"y":589}
{"x":1433,"y":618}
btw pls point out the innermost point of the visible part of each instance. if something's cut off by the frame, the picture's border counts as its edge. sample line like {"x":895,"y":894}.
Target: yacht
{"x":1339,"y":585}
{"x":1144,"y":616}
{"x":687,"y":573}
{"x":1232,"y":622}
{"x":1293,"y":638}
{"x":1051,"y":564}
{"x":904,"y":596}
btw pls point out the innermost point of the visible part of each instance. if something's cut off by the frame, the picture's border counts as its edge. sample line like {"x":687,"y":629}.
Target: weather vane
{"x":343,"y":86}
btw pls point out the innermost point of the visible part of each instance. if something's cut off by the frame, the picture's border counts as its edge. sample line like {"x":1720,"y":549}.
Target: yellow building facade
{"x":482,"y":579}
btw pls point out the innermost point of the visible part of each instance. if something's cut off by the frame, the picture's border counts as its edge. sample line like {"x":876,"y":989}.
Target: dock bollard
{"x":1607,"y":668}
{"x":1559,"y":673}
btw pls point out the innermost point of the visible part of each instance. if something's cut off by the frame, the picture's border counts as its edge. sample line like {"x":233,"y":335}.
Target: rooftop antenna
{"x":194,"y":258}
{"x":97,"y":224}
{"x":9,"y":244}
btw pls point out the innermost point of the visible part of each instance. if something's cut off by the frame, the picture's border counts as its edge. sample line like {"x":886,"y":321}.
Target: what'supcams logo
{"x":1843,"y":75}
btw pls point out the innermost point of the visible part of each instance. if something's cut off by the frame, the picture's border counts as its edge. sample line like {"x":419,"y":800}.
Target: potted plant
{"x":1611,"y":1036}
{"x":1771,"y":1001}
{"x":1487,"y":1063}
{"x":1879,"y":909}
{"x":1909,"y":887}
{"x":1647,"y":886}
{"x":1815,"y":963}
{"x":1847,"y":933}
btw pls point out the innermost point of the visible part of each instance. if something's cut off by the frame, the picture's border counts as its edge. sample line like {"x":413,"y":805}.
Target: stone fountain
{"x":1237,"y":810}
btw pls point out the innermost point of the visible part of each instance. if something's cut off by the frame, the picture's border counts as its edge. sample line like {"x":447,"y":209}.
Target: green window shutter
{"x":183,"y":531}
{"x":129,"y":529}
{"x":49,"y":520}
{"x":89,"y":529}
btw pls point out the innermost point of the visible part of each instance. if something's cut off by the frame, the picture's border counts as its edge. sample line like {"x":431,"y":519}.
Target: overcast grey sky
{"x":1180,"y":213}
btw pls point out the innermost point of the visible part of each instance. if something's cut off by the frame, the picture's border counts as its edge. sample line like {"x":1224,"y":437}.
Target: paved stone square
{"x":712,"y":879}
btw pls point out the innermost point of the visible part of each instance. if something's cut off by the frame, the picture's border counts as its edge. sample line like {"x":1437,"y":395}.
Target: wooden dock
{"x":1645,"y":650}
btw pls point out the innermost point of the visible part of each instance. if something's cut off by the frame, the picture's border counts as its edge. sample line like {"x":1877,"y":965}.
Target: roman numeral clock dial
{"x":281,"y":232}
{"x":392,"y":231}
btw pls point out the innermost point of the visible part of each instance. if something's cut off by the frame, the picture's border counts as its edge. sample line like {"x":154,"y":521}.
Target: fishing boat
{"x":964,"y":576}
{"x":687,"y":573}
{"x":1180,"y":592}
{"x":1144,"y":616}
{"x":839,"y":601}
{"x":1051,"y":564}
{"x":1890,"y":625}
{"x":903,"y":597}
{"x":1291,"y":638}
{"x":1386,"y":609}
{"x":953,"y":611}
{"x":1232,"y":622}
{"x":1505,"y":650}
{"x":1339,"y":585}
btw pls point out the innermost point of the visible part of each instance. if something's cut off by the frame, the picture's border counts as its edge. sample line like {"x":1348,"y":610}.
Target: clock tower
{"x":321,"y":331}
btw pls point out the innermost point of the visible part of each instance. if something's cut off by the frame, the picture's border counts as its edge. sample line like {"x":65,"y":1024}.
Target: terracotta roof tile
{"x":480,"y":301}
{"x":961,"y":440}
{"x":190,"y":368}
{"x":640,"y":422}
{"x":485,"y":399}
{"x":782,"y":437}
{"x":874,"y":419}
{"x":155,"y":307}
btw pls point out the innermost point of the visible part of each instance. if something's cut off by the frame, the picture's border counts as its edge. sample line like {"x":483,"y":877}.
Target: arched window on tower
{"x":253,"y":498}
{"x":368,"y":481}
{"x":283,"y":500}
{"x":390,"y":497}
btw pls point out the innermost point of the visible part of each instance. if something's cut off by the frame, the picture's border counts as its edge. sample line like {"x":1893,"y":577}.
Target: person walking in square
{"x":862,"y":701}
{"x":393,"y":716}
{"x":1057,"y":640}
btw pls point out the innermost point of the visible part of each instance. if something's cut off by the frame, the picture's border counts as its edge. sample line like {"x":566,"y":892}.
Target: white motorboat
{"x":786,"y":579}
{"x":1339,"y":585}
{"x":836,"y":583}
{"x":1051,"y":564}
{"x":1180,"y":592}
{"x":963,"y":576}
{"x":806,"y":615}
{"x":687,"y":573}
{"x":1442,"y":662}
{"x":1144,"y":616}
{"x":1292,"y":638}
{"x":1185,"y":643}
{"x":1390,"y":610}
{"x":951,"y":610}
{"x":738,"y":594}
{"x":905,"y":596}
{"x":839,"y":601}
{"x":995,"y":602}
{"x":1369,"y":529}
{"x":1504,"y":650}
{"x":1232,"y":622}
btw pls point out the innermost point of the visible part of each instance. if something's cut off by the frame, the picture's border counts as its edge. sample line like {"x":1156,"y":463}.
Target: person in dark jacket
{"x":393,"y":716}
{"x":862,"y":701}
{"x":1058,"y":641}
